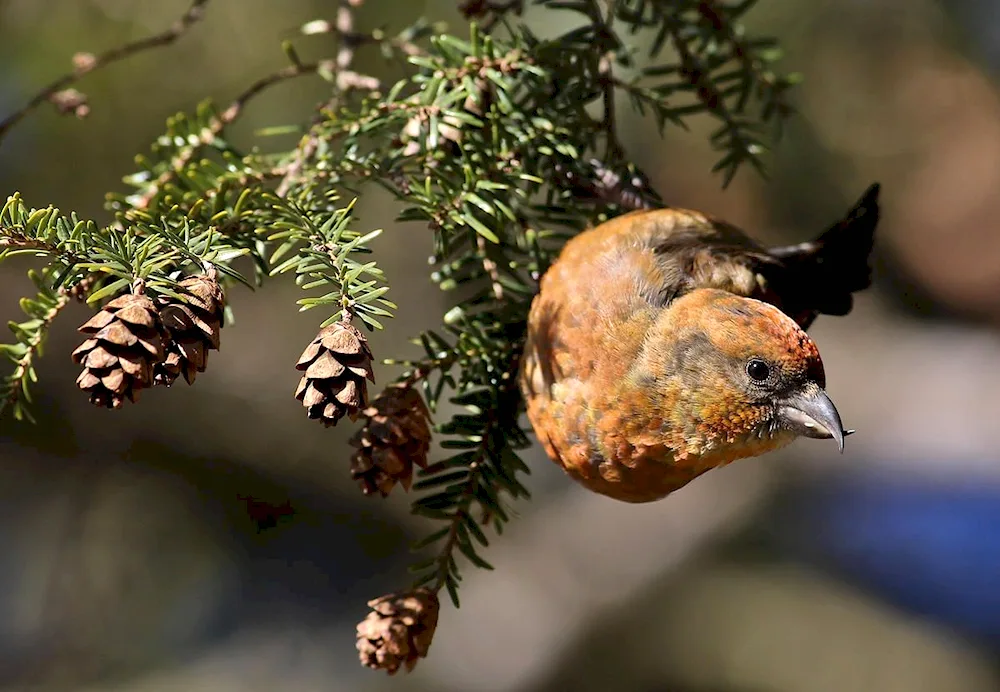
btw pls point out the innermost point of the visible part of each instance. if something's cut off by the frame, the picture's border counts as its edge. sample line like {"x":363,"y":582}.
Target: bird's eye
{"x":758,"y":370}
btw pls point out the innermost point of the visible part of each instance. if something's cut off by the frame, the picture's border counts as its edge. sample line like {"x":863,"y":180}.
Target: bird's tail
{"x":826,"y":271}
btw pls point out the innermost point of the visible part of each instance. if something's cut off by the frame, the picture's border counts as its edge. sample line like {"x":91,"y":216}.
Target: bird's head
{"x":737,"y":372}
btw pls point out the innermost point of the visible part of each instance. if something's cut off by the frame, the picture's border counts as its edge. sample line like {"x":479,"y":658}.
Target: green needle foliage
{"x":501,"y":143}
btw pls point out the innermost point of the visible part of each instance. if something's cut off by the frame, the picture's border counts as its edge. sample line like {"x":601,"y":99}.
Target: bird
{"x":665,"y":343}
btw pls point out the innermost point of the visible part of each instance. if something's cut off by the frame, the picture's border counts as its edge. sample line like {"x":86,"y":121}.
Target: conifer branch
{"x":43,"y":311}
{"x":489,"y":143}
{"x":446,"y":568}
{"x":218,"y":124}
{"x":344,"y":79}
{"x":13,"y":240}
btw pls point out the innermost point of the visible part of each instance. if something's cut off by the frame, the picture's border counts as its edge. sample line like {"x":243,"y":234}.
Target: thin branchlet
{"x":17,"y":382}
{"x":85,"y":63}
{"x":218,"y":123}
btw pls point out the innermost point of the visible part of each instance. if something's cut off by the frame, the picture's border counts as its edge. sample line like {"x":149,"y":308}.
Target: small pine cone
{"x":193,"y":328}
{"x":396,"y":435}
{"x":398,"y":630}
{"x":336,"y":364}
{"x":83,"y":287}
{"x":125,"y":339}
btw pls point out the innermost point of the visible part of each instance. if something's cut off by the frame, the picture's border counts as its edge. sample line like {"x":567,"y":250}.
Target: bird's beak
{"x":811,"y":413}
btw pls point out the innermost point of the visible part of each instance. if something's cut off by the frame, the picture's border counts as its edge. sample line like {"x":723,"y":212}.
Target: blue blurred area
{"x":928,"y":547}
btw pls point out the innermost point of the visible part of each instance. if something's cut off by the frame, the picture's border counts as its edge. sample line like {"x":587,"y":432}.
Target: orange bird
{"x":665,"y":343}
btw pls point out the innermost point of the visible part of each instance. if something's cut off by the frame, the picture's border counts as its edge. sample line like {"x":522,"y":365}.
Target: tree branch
{"x":489,"y":11}
{"x":345,"y":80}
{"x":613,"y":147}
{"x":608,"y":185}
{"x":217,"y":125}
{"x":85,"y":63}
{"x":490,"y":267}
{"x":16,"y":239}
{"x":17,"y":381}
{"x":445,"y":555}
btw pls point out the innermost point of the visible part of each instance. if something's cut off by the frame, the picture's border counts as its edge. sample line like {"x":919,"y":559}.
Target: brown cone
{"x":82,"y":288}
{"x":398,"y":631}
{"x":336,"y":364}
{"x":396,"y":435}
{"x":193,"y":329}
{"x":124,"y":340}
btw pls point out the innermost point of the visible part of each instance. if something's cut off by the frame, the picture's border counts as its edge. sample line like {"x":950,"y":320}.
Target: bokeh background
{"x":128,"y":561}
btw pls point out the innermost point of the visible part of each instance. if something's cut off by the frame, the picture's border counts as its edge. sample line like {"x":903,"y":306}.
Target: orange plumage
{"x":665,"y":343}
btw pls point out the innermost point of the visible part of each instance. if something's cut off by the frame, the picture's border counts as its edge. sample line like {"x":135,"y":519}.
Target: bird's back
{"x":611,"y":282}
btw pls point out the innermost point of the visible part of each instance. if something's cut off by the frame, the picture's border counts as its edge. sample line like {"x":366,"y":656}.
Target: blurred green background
{"x":128,"y":561}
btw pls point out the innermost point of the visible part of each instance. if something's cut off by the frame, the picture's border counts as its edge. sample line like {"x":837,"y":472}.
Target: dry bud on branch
{"x":396,"y":435}
{"x":336,"y":364}
{"x":193,"y":328}
{"x":124,"y":341}
{"x":398,"y":631}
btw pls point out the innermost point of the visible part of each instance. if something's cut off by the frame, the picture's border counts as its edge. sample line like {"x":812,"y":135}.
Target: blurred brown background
{"x":127,"y":561}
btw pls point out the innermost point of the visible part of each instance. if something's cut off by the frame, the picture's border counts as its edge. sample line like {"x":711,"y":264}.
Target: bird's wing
{"x":821,"y":276}
{"x":804,"y":280}
{"x":693,"y":251}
